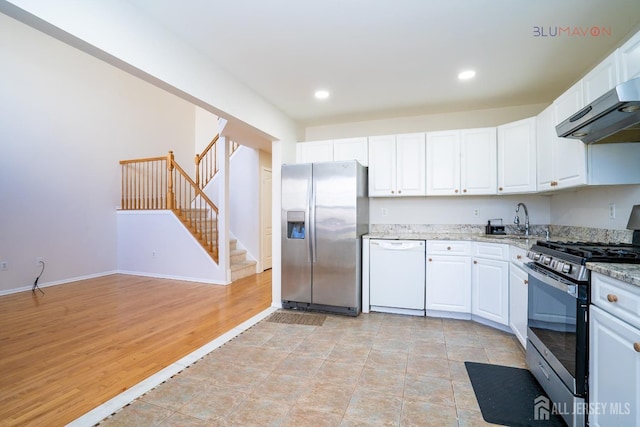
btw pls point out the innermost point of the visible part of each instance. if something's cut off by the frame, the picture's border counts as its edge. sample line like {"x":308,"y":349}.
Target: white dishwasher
{"x":397,"y":276}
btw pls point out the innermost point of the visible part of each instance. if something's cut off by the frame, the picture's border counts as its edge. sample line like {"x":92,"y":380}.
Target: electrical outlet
{"x":4,"y":265}
{"x":612,"y":211}
{"x":476,"y":212}
{"x":39,"y":260}
{"x":153,"y":254}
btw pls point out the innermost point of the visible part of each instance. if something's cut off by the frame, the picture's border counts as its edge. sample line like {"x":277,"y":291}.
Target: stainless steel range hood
{"x":614,"y":117}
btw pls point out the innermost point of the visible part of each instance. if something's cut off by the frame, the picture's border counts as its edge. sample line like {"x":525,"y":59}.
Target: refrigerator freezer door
{"x":296,"y":254}
{"x":334,"y":234}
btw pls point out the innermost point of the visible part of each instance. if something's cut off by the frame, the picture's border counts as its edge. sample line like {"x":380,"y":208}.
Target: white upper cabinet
{"x":569,"y":154}
{"x":316,"y":151}
{"x":333,"y":150}
{"x":443,"y":163}
{"x":561,"y":162}
{"x":604,"y":77}
{"x":479,"y":160}
{"x":517,"y":157}
{"x":461,"y":162}
{"x":630,"y":58}
{"x":351,"y":149}
{"x":410,"y":164}
{"x":397,"y":165}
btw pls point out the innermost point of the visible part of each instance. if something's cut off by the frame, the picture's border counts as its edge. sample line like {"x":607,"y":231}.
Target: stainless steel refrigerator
{"x":325,"y":212}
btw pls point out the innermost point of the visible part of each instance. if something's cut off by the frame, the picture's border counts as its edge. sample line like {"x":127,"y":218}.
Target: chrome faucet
{"x":516,"y":220}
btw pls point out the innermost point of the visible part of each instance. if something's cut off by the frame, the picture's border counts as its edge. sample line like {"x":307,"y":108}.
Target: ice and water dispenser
{"x":295,"y":225}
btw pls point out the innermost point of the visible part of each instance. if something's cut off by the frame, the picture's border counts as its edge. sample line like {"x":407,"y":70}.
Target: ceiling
{"x":391,"y":58}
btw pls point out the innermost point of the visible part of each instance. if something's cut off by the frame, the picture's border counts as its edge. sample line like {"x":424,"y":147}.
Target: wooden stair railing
{"x":207,"y":161}
{"x":160,"y":183}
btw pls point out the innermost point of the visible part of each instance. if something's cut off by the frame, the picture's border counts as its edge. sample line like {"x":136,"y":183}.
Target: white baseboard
{"x":57,"y":282}
{"x":171,"y":277}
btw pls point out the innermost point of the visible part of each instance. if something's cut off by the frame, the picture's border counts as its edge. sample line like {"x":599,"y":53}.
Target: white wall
{"x":67,"y":118}
{"x":456,"y":210}
{"x":206,"y":128}
{"x":589,"y":207}
{"x":157,"y":244}
{"x":424,"y":123}
{"x":244,"y":199}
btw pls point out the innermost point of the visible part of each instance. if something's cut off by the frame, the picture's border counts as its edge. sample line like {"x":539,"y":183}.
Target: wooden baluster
{"x":170,"y":194}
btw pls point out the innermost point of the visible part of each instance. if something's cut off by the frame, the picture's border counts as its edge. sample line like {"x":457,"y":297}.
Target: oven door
{"x":557,"y":324}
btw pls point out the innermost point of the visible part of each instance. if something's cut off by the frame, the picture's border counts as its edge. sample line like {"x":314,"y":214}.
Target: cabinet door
{"x":448,"y":283}
{"x":545,"y":149}
{"x":517,"y":157}
{"x":478,"y":161}
{"x":351,"y":149}
{"x":316,"y":151}
{"x":570,"y":154}
{"x":382,"y":166}
{"x":614,"y":370}
{"x":490,"y":290}
{"x":443,"y":163}
{"x":518,"y":297}
{"x":602,"y":78}
{"x":410,"y":164}
{"x":630,"y":58}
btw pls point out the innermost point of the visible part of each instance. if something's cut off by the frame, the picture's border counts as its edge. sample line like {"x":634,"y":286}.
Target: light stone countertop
{"x":629,"y":273}
{"x":475,"y":237}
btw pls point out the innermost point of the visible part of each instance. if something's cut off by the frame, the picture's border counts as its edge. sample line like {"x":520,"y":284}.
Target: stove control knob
{"x":566,"y":268}
{"x":536,"y":257}
{"x":546,"y":260}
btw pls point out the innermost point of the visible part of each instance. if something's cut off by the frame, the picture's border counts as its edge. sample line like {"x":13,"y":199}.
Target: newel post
{"x":171,"y":198}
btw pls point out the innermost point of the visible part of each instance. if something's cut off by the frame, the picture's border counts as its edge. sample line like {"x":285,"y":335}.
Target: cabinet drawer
{"x":448,"y":247}
{"x":616,"y":297}
{"x":517,"y":255}
{"x":491,"y":250}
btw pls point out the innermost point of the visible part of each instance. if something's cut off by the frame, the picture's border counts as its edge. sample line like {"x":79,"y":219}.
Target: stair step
{"x":233,"y":244}
{"x":242,"y":269}
{"x":238,"y":255}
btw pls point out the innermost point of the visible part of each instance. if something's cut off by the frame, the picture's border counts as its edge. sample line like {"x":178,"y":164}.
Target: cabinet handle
{"x":526,"y":282}
{"x":464,"y":191}
{"x":499,"y":188}
{"x":430,"y":260}
{"x":612,"y":298}
{"x":636,"y":346}
{"x":448,"y":248}
{"x":518,"y":256}
{"x":392,"y":192}
{"x":456,"y":191}
{"x":399,"y":191}
{"x":475,"y":262}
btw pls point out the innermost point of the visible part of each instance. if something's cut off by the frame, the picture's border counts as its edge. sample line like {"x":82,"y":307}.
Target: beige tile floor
{"x":373,"y":370}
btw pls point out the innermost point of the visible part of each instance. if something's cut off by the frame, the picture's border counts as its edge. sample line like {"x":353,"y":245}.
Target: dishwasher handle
{"x":398,"y":245}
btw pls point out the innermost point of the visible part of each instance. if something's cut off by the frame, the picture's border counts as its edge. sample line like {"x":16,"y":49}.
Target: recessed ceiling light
{"x":322,"y":94}
{"x":466,"y":75}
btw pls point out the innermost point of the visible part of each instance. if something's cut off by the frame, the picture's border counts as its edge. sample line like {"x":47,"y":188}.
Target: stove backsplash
{"x":556,"y":232}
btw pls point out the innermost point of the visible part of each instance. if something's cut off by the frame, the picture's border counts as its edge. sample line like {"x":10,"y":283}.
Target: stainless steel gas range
{"x":558,"y":318}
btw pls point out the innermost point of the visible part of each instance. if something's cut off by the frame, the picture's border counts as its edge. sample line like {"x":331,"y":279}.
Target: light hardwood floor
{"x":80,"y":344}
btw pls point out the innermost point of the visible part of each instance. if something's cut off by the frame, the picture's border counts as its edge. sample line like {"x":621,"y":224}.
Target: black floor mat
{"x":510,"y":396}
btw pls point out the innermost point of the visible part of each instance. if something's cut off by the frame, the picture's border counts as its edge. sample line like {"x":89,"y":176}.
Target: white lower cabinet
{"x":614,"y":371}
{"x":490,"y":290}
{"x":448,"y":276}
{"x":518,"y":298}
{"x":614,"y":353}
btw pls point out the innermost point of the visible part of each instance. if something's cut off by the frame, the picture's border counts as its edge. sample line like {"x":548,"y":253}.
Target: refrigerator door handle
{"x":312,"y":222}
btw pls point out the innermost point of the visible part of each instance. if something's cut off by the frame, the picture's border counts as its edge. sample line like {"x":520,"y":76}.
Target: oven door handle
{"x":551,"y":279}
